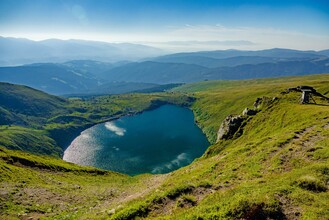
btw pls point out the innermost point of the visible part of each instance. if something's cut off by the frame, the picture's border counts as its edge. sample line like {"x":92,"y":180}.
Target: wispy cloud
{"x":180,"y":160}
{"x":117,"y":130}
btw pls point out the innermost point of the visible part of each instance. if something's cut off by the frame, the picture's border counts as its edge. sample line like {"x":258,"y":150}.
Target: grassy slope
{"x":25,"y":101}
{"x":23,"y":112}
{"x":34,"y":186}
{"x":217,"y":99}
{"x":27,"y":139}
{"x":278,"y":168}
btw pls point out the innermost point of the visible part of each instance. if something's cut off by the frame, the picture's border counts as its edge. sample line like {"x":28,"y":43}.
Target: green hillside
{"x":23,"y":113}
{"x":278,"y":168}
{"x":22,"y":100}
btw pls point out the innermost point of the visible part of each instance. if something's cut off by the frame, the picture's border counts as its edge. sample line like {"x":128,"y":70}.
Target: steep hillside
{"x":23,"y":110}
{"x":17,"y":101}
{"x":52,"y":78}
{"x":278,"y":168}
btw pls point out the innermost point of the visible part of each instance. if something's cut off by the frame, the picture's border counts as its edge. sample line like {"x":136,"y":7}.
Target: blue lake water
{"x":156,"y":141}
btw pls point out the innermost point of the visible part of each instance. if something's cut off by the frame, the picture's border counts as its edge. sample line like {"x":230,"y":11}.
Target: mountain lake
{"x":155,"y":141}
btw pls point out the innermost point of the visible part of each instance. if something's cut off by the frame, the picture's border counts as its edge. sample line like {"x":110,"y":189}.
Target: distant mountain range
{"x":222,"y":58}
{"x":76,"y":77}
{"x":152,"y":74}
{"x":17,"y":51}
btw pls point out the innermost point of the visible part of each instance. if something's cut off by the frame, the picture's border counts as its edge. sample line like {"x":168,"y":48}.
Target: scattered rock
{"x":263,"y":101}
{"x":232,"y":124}
{"x":248,"y":112}
{"x":229,"y":127}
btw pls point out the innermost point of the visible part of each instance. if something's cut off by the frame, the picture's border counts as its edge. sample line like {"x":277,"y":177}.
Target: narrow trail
{"x":138,"y":192}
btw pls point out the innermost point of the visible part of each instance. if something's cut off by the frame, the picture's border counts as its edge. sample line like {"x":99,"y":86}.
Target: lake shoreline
{"x":64,"y":137}
{"x":72,"y":132}
{"x":157,"y":142}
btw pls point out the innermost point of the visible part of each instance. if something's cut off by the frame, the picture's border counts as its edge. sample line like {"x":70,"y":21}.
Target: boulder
{"x":229,"y":127}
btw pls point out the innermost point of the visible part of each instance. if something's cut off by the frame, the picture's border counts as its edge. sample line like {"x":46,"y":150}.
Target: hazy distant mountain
{"x":266,"y":70}
{"x":213,"y":63}
{"x":74,"y":77}
{"x":324,"y":52}
{"x":221,"y":58}
{"x":154,"y":72}
{"x":275,"y":53}
{"x":89,"y":67}
{"x":87,"y":77}
{"x":15,"y":51}
{"x":96,"y":77}
{"x":52,"y":78}
{"x":128,"y":87}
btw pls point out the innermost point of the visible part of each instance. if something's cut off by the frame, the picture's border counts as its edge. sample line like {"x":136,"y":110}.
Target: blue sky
{"x":173,"y":24}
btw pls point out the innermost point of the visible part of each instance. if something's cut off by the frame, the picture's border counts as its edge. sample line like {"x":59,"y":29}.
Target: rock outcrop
{"x":249,"y":112}
{"x":229,"y":127}
{"x":232,"y":126}
{"x":263,"y":101}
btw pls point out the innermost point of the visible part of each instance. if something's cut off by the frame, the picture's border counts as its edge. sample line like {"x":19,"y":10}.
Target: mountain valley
{"x":276,"y":168}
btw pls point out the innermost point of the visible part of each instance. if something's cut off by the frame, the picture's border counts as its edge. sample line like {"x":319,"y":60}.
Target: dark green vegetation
{"x":25,"y":104}
{"x":277,"y":169}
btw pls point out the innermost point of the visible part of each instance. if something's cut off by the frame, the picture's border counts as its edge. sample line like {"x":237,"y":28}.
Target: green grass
{"x":278,"y":168}
{"x":29,"y":140}
{"x":257,"y":175}
{"x":217,"y":99}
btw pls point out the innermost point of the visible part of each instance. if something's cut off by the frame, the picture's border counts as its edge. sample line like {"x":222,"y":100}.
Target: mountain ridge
{"x":94,"y":77}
